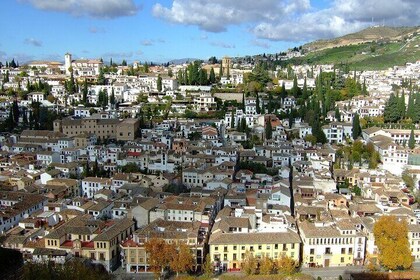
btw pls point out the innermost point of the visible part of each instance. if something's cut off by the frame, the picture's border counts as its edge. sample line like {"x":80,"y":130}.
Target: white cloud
{"x":216,"y":15}
{"x":117,"y":55}
{"x":94,"y":29}
{"x":33,"y":42}
{"x":147,"y":43}
{"x":290,"y":20}
{"x":222,"y":45}
{"x":151,"y":42}
{"x":260,"y":44}
{"x":92,"y":8}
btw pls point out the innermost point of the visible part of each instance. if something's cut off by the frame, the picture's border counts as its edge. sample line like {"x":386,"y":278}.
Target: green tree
{"x":159,"y":83}
{"x":411,"y":113}
{"x":212,"y":77}
{"x":356,"y":130}
{"x":411,"y":140}
{"x":257,"y":104}
{"x":112,"y":98}
{"x":391,"y":111}
{"x":268,"y":130}
{"x":391,"y":237}
{"x":101,"y":77}
{"x":85,"y":92}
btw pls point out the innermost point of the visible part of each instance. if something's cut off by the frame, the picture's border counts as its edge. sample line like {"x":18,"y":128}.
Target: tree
{"x":392,"y":110}
{"x":71,"y":85}
{"x":337,"y":114}
{"x":15,"y":112}
{"x":257,"y":104}
{"x":249,"y":264}
{"x":208,"y":266}
{"x":391,"y":237}
{"x":268,"y":130}
{"x":101,"y":77}
{"x":212,"y":77}
{"x":286,"y":265}
{"x":220,"y":70}
{"x":311,"y":139}
{"x":85,"y":92}
{"x":356,"y":131}
{"x":232,"y":120}
{"x":182,"y":260}
{"x":112,"y":98}
{"x":295,"y":89}
{"x":159,"y":83}
{"x":266,"y":265}
{"x":159,"y":254}
{"x":411,"y":140}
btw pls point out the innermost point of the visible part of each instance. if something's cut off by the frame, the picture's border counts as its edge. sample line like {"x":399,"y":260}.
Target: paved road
{"x":332,"y":273}
{"x":326,"y":273}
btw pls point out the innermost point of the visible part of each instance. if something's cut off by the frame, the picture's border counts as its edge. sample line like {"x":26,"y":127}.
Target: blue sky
{"x":161,"y":30}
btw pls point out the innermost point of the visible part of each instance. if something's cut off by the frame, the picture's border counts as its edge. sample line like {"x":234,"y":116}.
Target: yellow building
{"x":227,"y":250}
{"x":328,"y":244}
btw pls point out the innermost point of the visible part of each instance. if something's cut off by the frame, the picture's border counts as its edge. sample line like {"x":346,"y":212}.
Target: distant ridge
{"x":369,"y":34}
{"x":182,"y":60}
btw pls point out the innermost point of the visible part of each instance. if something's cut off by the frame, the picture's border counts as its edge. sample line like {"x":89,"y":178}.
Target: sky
{"x":162,"y":30}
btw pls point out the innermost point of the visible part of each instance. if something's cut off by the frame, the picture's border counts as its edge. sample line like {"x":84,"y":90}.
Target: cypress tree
{"x":268,"y":130}
{"x":257,"y":104}
{"x":212,"y":77}
{"x":232,"y":120}
{"x":112,"y":99}
{"x":410,"y":107}
{"x":356,"y":127}
{"x":85,"y":92}
{"x":411,"y":140}
{"x":159,"y":83}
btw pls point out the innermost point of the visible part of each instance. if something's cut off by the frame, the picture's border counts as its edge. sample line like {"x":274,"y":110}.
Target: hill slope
{"x":369,"y":49}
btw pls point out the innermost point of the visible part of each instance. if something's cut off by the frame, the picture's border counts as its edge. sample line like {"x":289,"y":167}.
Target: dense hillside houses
{"x":232,"y":158}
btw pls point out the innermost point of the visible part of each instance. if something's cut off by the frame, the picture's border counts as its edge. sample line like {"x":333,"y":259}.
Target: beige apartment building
{"x":123,"y":130}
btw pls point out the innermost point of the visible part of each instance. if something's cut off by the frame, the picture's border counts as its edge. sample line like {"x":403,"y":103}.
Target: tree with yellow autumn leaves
{"x":162,"y":255}
{"x":391,"y":238}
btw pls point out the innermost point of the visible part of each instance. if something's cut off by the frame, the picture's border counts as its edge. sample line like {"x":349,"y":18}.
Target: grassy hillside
{"x":378,"y":54}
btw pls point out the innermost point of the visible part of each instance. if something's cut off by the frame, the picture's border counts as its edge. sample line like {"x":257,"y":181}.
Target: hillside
{"x":369,"y":49}
{"x":375,"y":33}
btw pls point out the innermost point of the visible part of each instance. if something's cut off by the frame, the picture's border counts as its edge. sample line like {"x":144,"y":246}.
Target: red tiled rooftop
{"x":87,"y":244}
{"x":130,"y":243}
{"x":67,"y":243}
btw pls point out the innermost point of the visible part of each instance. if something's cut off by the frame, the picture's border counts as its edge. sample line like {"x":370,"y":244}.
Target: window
{"x":276,"y":246}
{"x":343,"y":250}
{"x":342,"y":259}
{"x":234,"y":247}
{"x":312,"y":251}
{"x":216,"y":248}
{"x":350,"y":250}
{"x":225,"y":249}
{"x":243,"y":248}
{"x":259,"y":247}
